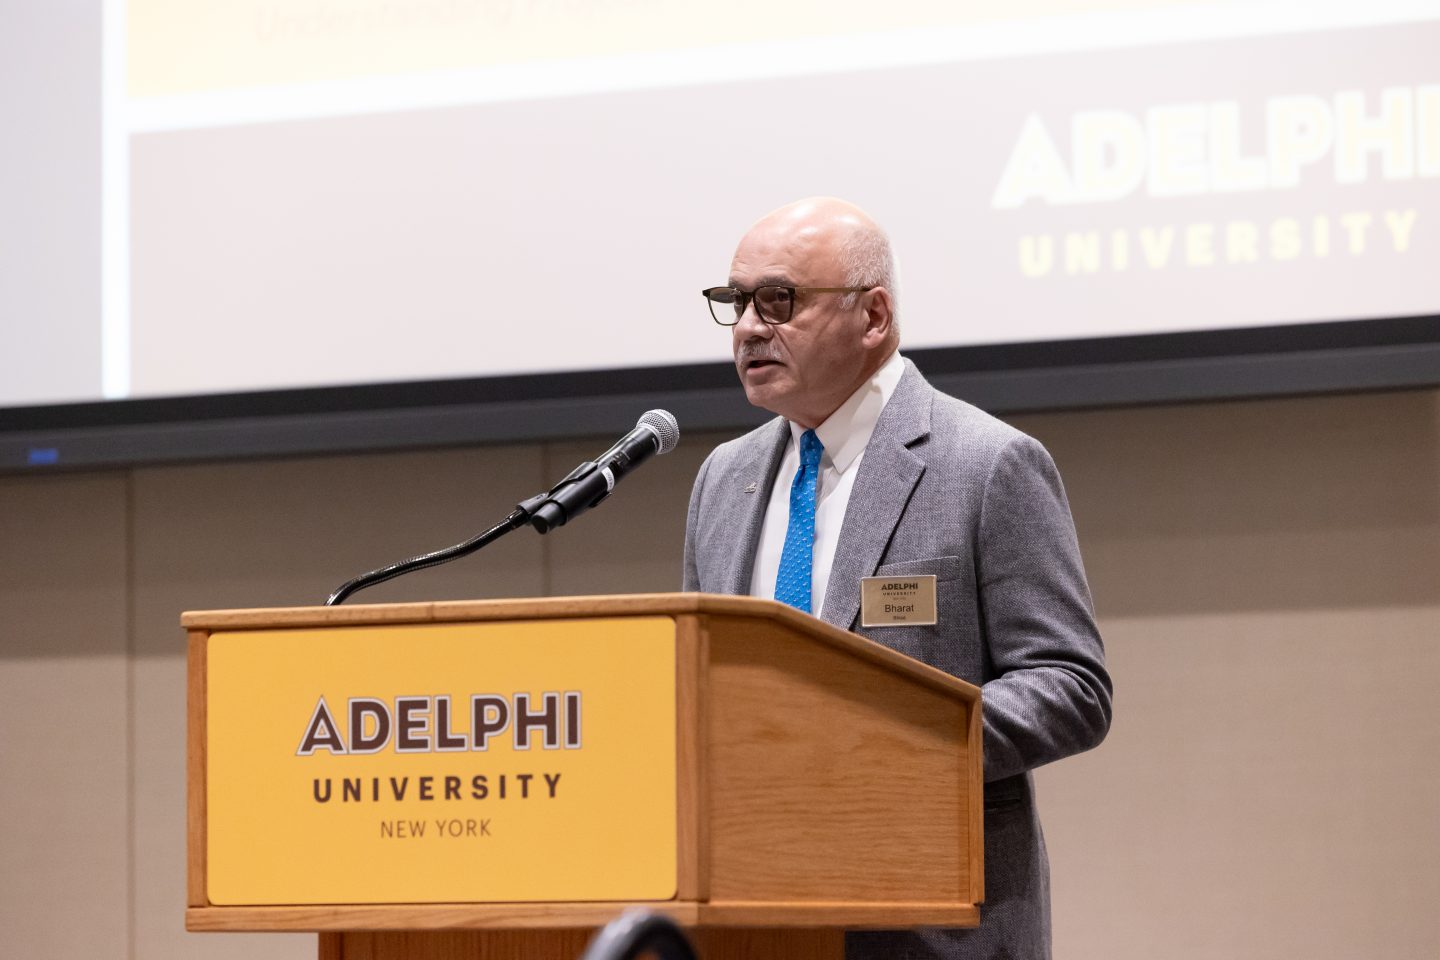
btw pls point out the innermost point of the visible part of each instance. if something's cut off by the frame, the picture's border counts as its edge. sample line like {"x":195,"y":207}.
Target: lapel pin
{"x":751,"y":488}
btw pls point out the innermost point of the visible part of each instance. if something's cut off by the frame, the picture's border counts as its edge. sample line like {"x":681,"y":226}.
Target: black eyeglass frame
{"x":745,"y":299}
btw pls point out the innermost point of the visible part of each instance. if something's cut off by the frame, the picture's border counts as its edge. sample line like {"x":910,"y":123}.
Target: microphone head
{"x":662,"y":424}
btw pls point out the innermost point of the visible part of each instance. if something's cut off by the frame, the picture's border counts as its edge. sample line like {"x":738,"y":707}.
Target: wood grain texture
{"x":427,"y":916}
{"x":269,"y":618}
{"x":329,"y":921}
{"x":711,"y":944}
{"x":821,"y":914}
{"x":760,"y":944}
{"x":831,"y":780}
{"x":463,"y":945}
{"x":692,"y":815}
{"x":976,"y":809}
{"x":195,"y":836}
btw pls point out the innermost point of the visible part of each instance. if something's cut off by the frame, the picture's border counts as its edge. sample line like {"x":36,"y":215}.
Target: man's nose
{"x":750,"y":325}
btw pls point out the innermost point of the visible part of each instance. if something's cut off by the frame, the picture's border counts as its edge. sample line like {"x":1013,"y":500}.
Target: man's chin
{"x":763,"y":395}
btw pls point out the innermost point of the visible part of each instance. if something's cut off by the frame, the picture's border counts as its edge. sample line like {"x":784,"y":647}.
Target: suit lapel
{"x":888,"y":474}
{"x":746,"y":489}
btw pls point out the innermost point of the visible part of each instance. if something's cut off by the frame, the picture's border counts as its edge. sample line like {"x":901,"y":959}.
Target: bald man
{"x":867,"y":470}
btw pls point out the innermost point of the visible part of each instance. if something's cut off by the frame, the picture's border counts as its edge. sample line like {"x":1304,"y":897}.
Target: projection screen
{"x":508,"y":200}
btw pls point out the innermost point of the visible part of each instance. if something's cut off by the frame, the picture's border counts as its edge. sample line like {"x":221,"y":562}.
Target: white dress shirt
{"x":844,"y":436}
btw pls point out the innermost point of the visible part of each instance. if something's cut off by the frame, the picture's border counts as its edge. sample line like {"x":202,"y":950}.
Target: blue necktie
{"x":792,"y":585}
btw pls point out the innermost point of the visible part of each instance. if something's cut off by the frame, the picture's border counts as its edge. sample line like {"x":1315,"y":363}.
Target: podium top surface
{"x":557,"y":608}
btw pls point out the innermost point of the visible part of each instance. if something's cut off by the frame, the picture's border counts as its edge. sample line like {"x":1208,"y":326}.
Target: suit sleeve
{"x":691,"y":577}
{"x":1051,"y":696}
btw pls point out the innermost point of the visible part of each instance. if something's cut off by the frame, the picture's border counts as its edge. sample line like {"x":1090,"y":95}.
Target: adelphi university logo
{"x":442,"y":763}
{"x":425,"y":725}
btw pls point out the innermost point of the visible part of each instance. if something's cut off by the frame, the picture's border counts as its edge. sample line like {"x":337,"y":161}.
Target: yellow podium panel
{"x":442,"y":763}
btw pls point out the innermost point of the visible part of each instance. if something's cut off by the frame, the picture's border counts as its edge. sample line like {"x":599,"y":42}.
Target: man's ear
{"x":879,"y":316}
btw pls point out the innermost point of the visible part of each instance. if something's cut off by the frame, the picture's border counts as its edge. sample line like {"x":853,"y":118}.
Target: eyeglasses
{"x":774,"y":303}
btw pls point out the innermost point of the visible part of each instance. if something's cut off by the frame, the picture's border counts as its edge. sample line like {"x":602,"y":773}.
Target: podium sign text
{"x":442,"y":763}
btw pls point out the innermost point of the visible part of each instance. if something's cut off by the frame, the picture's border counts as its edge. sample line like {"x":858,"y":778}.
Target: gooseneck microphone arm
{"x":517,"y":519}
{"x":582,"y":488}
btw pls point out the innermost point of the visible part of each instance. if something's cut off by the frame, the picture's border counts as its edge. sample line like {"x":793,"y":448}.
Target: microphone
{"x":584,"y":487}
{"x":588,"y":484}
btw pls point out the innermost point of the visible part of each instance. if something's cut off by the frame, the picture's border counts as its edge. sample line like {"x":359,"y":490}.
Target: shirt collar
{"x":845,"y":432}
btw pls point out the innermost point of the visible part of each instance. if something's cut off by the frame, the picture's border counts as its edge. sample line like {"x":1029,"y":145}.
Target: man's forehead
{"x":783,"y":252}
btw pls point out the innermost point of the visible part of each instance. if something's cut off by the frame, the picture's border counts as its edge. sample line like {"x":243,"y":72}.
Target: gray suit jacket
{"x":946,"y":489}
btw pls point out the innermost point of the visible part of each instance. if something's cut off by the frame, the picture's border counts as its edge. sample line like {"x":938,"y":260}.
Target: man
{"x":868,"y":470}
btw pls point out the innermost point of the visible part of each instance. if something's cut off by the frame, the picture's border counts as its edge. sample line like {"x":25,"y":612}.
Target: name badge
{"x":897,"y":601}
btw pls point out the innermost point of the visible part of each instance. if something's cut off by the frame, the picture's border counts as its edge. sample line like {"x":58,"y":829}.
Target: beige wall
{"x":1267,"y":575}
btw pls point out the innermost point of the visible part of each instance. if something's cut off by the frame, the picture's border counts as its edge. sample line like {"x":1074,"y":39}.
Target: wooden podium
{"x":820,"y":781}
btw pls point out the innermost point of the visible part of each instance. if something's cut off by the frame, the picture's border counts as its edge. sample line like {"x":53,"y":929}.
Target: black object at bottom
{"x":638,"y":931}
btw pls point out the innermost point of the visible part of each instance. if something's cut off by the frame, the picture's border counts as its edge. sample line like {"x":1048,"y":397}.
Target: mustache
{"x":752,"y":350}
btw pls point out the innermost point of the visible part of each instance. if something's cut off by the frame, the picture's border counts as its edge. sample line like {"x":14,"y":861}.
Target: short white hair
{"x":868,"y":261}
